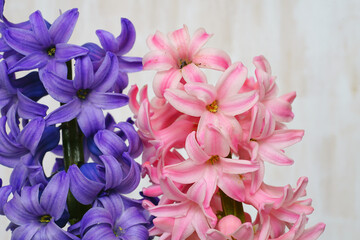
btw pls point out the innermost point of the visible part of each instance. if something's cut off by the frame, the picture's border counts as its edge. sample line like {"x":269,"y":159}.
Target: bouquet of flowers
{"x":205,"y":146}
{"x":94,"y":164}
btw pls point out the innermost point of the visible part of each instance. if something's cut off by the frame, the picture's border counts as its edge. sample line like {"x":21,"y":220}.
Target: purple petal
{"x":53,"y":231}
{"x":109,"y":143}
{"x":113,"y":203}
{"x":136,"y":232}
{"x":53,"y":199}
{"x":64,"y":113}
{"x":28,"y":108}
{"x":107,"y":41}
{"x":26,"y":232}
{"x":5,"y":98}
{"x":58,"y":68}
{"x":127,"y":37}
{"x":59,"y":88}
{"x":30,"y":200}
{"x":84,"y":73}
{"x":96,"y":216}
{"x":100,"y":231}
{"x":90,"y":119}
{"x":4,"y":195}
{"x":4,"y":79}
{"x":23,"y":41}
{"x":113,"y":171}
{"x":106,"y":75}
{"x":31,"y":134}
{"x":4,"y":47}
{"x":40,"y":29}
{"x":62,"y":28}
{"x":32,"y":61}
{"x":132,"y":179}
{"x":12,"y":120}
{"x":8,"y":146}
{"x":16,"y":213}
{"x":130,"y":64}
{"x":65,"y":52}
{"x":19,"y":175}
{"x":108,"y":100}
{"x":96,"y":53}
{"x":135,"y":144}
{"x":83,"y":189}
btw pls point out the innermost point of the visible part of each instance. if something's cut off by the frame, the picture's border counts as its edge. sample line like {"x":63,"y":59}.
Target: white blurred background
{"x":313,"y":48}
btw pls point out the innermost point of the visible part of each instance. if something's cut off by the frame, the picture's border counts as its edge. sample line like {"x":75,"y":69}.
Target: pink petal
{"x":284,"y":138}
{"x":215,"y":143}
{"x":185,"y":103}
{"x":192,"y":73}
{"x":173,"y":210}
{"x":200,"y":224}
{"x":260,"y":62}
{"x":245,"y":231}
{"x":237,"y":166}
{"x":238,"y":103}
{"x":158,"y":41}
{"x":133,"y":103}
{"x":166,"y":79}
{"x":193,"y":149}
{"x":213,"y":234}
{"x":158,"y":60}
{"x":313,"y":232}
{"x":198,"y":40}
{"x":231,"y":80}
{"x":233,"y":186}
{"x":212,"y":58}
{"x":274,"y":156}
{"x":281,"y":109}
{"x":180,"y":40}
{"x":171,"y":191}
{"x":185,"y":172}
{"x":203,"y":91}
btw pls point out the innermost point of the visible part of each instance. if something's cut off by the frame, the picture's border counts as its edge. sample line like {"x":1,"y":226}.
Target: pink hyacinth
{"x":206,"y":146}
{"x":178,"y":56}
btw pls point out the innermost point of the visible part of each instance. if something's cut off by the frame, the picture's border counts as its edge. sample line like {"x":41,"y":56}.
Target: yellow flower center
{"x":51,"y":51}
{"x":82,"y":93}
{"x":45,"y":219}
{"x":214,"y":159}
{"x":213,"y":107}
{"x":182,"y":63}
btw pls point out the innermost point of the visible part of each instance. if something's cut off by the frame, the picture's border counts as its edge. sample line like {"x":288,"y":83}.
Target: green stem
{"x":232,"y":207}
{"x":72,"y":137}
{"x":72,"y":140}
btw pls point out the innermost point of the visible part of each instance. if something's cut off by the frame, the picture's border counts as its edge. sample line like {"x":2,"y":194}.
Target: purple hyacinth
{"x":39,"y":214}
{"x":86,"y":95}
{"x":114,"y":221}
{"x":44,"y":47}
{"x":119,"y":46}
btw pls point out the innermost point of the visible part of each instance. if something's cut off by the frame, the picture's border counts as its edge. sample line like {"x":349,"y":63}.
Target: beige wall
{"x":313,"y":47}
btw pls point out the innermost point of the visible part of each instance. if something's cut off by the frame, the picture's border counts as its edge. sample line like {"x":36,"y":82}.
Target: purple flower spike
{"x":45,"y":47}
{"x":86,"y":95}
{"x":36,"y":214}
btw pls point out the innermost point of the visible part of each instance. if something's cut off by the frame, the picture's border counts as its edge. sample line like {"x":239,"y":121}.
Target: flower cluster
{"x":205,"y":146}
{"x":94,"y":164}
